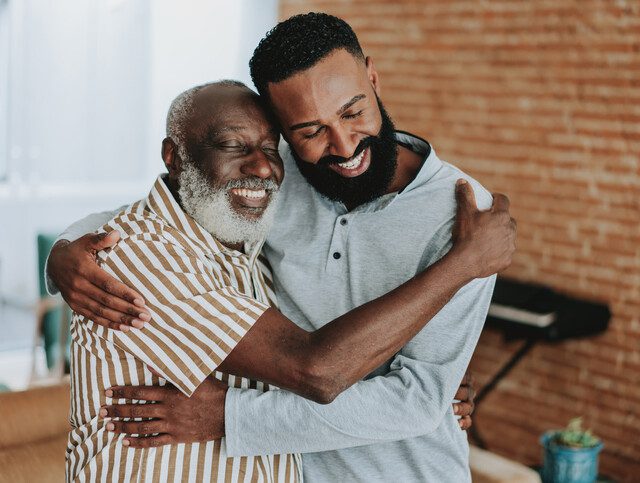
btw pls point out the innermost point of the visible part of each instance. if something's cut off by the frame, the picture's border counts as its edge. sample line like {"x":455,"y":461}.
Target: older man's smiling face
{"x":233,"y":171}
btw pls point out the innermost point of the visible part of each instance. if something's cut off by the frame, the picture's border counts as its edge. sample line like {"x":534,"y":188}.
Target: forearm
{"x":347,"y":349}
{"x":322,"y":364}
{"x":386,"y":408}
{"x":412,"y":399}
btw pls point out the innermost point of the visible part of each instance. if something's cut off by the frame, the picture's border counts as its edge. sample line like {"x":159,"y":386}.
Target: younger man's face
{"x":340,"y":135}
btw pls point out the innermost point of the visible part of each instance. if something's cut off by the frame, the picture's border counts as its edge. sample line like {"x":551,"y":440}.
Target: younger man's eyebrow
{"x":302,"y":125}
{"x":353,"y":100}
{"x":315,"y":122}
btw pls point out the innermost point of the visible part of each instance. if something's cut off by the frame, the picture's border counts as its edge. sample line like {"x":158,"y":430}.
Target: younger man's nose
{"x":342,"y":143}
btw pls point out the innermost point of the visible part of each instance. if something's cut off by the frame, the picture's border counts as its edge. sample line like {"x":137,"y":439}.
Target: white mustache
{"x":253,"y":184}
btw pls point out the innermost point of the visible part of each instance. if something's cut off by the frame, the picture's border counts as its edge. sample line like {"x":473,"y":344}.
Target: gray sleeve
{"x":410,"y":400}
{"x":88,"y":224}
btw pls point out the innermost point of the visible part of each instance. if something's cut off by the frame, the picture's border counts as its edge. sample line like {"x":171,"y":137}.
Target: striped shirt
{"x":203,"y":298}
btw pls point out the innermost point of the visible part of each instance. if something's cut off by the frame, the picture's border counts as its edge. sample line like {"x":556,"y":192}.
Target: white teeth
{"x":353,"y":163}
{"x":251,"y":194}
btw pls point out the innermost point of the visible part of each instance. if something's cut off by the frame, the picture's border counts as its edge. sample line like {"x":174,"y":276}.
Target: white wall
{"x":89,"y":83}
{"x":215,"y":41}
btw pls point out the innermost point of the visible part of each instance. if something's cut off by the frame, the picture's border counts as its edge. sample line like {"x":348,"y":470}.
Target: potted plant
{"x":570,"y":454}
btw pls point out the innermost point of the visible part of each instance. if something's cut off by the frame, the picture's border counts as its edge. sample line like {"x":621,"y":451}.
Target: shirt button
{"x":336,"y":255}
{"x":343,"y":221}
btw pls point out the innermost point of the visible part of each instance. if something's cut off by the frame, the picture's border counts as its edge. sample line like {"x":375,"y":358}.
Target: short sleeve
{"x":196,"y":319}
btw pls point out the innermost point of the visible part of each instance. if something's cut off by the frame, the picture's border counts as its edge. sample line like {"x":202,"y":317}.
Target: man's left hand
{"x":465,"y":395}
{"x":173,"y":418}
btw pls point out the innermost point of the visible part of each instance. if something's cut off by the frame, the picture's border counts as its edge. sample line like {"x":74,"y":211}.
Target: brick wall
{"x":540,"y":100}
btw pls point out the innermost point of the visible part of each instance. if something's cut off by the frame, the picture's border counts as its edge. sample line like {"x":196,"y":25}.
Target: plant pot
{"x":563,"y":464}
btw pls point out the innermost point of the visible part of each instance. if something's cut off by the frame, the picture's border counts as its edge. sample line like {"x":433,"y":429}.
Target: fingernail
{"x":138,"y":324}
{"x":139,"y":302}
{"x":460,"y":423}
{"x":124,"y":328}
{"x":144,"y":316}
{"x":108,"y":393}
{"x":461,"y":181}
{"x":456,"y":408}
{"x":103,"y":412}
{"x":125,"y":442}
{"x":110,"y":427}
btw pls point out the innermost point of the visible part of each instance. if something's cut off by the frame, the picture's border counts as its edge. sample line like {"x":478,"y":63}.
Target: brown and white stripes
{"x":203,"y":298}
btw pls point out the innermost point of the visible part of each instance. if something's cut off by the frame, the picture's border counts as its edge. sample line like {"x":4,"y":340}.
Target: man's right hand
{"x":173,"y":418}
{"x":89,"y":290}
{"x":485,"y":240}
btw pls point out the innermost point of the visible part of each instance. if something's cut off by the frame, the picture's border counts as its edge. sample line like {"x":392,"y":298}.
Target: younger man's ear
{"x":171,"y":157}
{"x":373,"y":75}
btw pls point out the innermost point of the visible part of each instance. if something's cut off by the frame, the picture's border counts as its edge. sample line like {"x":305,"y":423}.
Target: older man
{"x":191,"y":248}
{"x":362,"y":210}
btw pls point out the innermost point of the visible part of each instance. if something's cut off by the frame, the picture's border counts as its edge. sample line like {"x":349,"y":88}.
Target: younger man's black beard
{"x":371,"y":184}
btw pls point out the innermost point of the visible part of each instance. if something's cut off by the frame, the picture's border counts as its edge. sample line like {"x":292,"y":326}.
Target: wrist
{"x":461,"y":264}
{"x":60,"y":243}
{"x":51,"y":259}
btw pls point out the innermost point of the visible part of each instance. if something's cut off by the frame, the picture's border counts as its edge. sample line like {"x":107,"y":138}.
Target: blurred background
{"x":84,"y":90}
{"x":536,"y":99}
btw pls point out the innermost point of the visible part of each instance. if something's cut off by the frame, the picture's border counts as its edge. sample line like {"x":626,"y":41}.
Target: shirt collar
{"x":430,"y":166}
{"x":162,"y":203}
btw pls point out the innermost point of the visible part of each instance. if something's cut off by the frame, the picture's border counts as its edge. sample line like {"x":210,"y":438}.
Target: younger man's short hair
{"x":297,"y":44}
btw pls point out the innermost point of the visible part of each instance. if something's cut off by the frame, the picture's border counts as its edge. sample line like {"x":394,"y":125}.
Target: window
{"x":84,"y":90}
{"x":4,"y":87}
{"x":78,"y":90}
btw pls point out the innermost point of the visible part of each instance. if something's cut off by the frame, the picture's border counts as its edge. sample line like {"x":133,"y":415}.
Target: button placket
{"x":335,"y":261}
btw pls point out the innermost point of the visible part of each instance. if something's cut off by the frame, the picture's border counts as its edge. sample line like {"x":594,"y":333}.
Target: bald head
{"x":198,"y":115}
{"x":184,"y":105}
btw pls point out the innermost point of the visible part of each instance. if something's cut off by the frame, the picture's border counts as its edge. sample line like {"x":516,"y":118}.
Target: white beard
{"x":212,"y":209}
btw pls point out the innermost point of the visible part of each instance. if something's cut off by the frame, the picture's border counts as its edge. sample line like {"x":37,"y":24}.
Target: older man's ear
{"x":171,"y":157}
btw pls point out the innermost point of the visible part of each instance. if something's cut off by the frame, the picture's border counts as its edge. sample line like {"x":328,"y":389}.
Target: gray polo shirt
{"x":397,"y":424}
